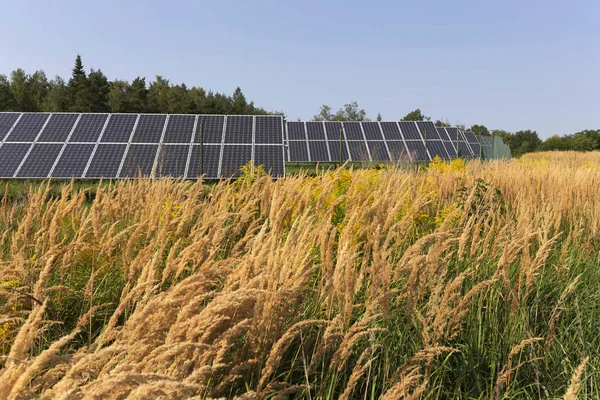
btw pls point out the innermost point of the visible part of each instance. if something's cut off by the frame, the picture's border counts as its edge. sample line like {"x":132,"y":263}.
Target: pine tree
{"x":79,"y":88}
{"x":7,"y":100}
{"x":58,"y":96}
{"x":239,"y":105}
{"x":379,"y":117}
{"x":98,"y":91}
{"x":19,"y":87}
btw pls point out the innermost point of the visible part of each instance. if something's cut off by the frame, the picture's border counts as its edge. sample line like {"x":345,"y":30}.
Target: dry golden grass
{"x":352,"y":284}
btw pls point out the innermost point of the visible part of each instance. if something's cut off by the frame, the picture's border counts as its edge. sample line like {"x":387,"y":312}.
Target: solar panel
{"x":416,"y":150}
{"x":58,"y":128}
{"x":298,"y":151}
{"x":73,"y":160}
{"x":28,"y":128}
{"x":139,"y":160}
{"x":449,"y":146}
{"x":119,"y":128}
{"x":334,"y":150}
{"x":7,"y":120}
{"x":234,"y":157}
{"x":428,"y":128}
{"x":296,"y":131}
{"x":39,"y":161}
{"x":149,"y":128}
{"x":269,"y":129}
{"x":271,"y":158}
{"x":333,"y":131}
{"x":88,"y":128}
{"x":437,"y":148}
{"x":106,"y":161}
{"x":315,"y":131}
{"x":319,"y":151}
{"x":180,"y":129}
{"x":11,"y":155}
{"x":473,"y":143}
{"x":391,"y":131}
{"x":172,"y":160}
{"x":212,"y":128}
{"x":378,"y":150}
{"x":353,"y":131}
{"x":239,"y":129}
{"x":372,"y":131}
{"x":359,"y":151}
{"x":409,"y":130}
{"x":210,"y":164}
{"x":398,"y":150}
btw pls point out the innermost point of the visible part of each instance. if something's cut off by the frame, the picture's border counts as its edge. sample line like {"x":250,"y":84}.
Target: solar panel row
{"x":65,"y":145}
{"x":363,"y":141}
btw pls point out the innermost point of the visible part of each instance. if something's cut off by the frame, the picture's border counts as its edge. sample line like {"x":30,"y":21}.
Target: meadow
{"x":468,"y":281}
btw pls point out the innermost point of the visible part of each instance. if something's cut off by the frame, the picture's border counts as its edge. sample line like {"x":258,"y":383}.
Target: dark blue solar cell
{"x":211,"y":155}
{"x":333,"y":130}
{"x":11,"y":155}
{"x":7,"y":120}
{"x":428,"y":129}
{"x":269,"y":129}
{"x":239,"y":129}
{"x":172,"y":160}
{"x":437,"y":148}
{"x":372,"y":131}
{"x":416,"y":150}
{"x":73,"y":160}
{"x":353,"y":131}
{"x":88,"y":128}
{"x":318,"y":151}
{"x":296,"y":130}
{"x":58,"y":128}
{"x":235,"y":157}
{"x":409,"y":130}
{"x":378,"y":151}
{"x":180,"y":129}
{"x":271,"y":159}
{"x":119,"y":128}
{"x":149,"y":128}
{"x":28,"y":128}
{"x":106,"y":161}
{"x":139,"y":161}
{"x":40,"y":160}
{"x":315,"y":131}
{"x":358,"y":151}
{"x":334,"y":150}
{"x":298,"y":151}
{"x":398,"y":151}
{"x":391,"y":131}
{"x":212,"y":129}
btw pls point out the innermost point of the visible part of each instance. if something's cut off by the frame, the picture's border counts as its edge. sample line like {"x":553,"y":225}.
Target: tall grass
{"x":477,"y":281}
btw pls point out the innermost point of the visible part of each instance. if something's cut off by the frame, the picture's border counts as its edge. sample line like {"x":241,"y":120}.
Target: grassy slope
{"x":460,"y":282}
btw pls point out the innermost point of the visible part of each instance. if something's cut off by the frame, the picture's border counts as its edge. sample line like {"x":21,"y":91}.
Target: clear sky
{"x":527,"y":64}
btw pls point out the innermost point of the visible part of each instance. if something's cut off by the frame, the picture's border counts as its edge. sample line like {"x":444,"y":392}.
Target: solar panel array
{"x":65,"y":145}
{"x":365,"y":141}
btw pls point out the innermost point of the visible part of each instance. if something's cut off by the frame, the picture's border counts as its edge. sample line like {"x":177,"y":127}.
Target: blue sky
{"x":508,"y":64}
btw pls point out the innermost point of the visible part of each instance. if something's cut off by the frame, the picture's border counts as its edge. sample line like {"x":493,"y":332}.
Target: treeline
{"x":93,"y":92}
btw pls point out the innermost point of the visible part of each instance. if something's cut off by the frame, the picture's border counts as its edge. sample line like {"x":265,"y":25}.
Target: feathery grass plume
{"x":278,"y":349}
{"x":195,"y":288}
{"x":573,"y":389}
{"x":509,"y":368}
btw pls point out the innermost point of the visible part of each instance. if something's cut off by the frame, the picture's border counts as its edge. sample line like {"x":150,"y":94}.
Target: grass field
{"x":456,"y":281}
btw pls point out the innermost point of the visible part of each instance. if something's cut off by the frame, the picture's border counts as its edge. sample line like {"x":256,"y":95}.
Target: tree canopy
{"x":94,"y":92}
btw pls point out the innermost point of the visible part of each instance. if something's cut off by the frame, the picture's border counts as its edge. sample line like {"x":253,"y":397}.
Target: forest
{"x":93,"y":92}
